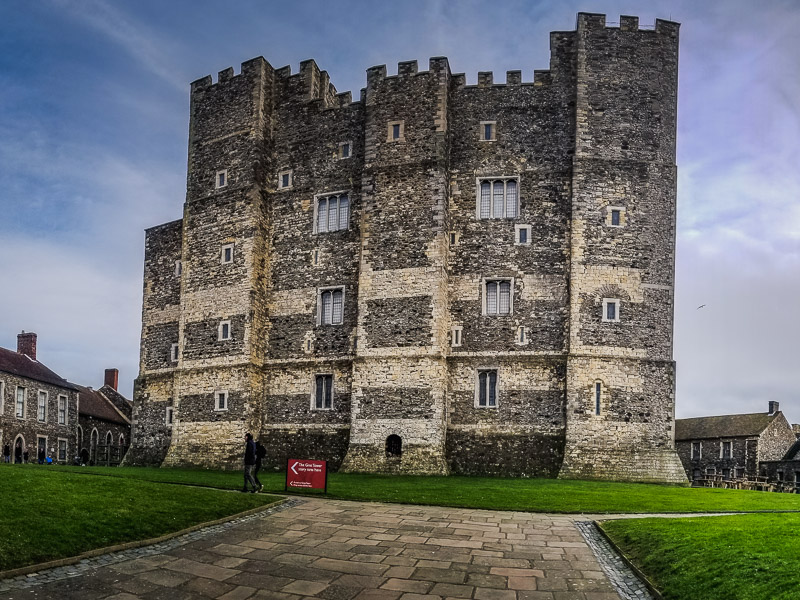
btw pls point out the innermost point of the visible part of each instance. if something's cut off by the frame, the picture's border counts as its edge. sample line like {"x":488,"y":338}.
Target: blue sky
{"x":93,"y":136}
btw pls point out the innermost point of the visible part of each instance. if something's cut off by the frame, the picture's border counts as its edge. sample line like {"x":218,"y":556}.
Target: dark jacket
{"x":250,"y":453}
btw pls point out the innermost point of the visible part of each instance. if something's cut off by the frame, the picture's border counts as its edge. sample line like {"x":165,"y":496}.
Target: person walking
{"x":249,"y":462}
{"x":7,"y":453}
{"x":261,"y":452}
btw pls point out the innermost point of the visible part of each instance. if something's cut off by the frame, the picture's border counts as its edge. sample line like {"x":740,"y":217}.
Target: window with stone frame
{"x":598,"y":396}
{"x":611,"y":307}
{"x":62,"y":450}
{"x":62,"y":410}
{"x":224,"y":331}
{"x":226,"y":254}
{"x":178,"y":268}
{"x":220,"y":400}
{"x":285,"y":179}
{"x":697,"y":450}
{"x":498,"y":197}
{"x":726,"y":474}
{"x":497,"y":297}
{"x":330,"y":306}
{"x":221,"y":179}
{"x":396,"y":131}
{"x":711,"y":471}
{"x":488,"y":131}
{"x":345,"y":150}
{"x":726,"y":450}
{"x":41,"y":411}
{"x":332,"y":212}
{"x":615,"y":216}
{"x":19,"y":408}
{"x":486,"y":392}
{"x":323,"y":392}
{"x":168,"y":416}
{"x":456,"y":334}
{"x":174,"y":353}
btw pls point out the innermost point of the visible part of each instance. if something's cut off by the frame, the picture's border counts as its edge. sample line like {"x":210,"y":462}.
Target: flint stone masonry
{"x":412,"y":254}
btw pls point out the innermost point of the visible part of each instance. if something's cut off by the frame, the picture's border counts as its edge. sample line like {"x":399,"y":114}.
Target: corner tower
{"x":620,"y":387}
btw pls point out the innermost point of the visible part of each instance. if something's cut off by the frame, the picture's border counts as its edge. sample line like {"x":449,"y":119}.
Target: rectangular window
{"x":173,"y":353}
{"x":522,"y":235}
{"x":697,"y":449}
{"x":344,"y":150}
{"x":224,"y":330}
{"x":498,"y":198}
{"x":610,"y":310}
{"x":226,"y":254}
{"x":20,"y":403}
{"x":487,"y":388}
{"x":488,"y":129}
{"x":323,"y":392}
{"x":331,"y":306}
{"x":455,"y":335}
{"x":168,"y":417}
{"x":62,"y":410}
{"x":726,"y":449}
{"x":711,"y":471}
{"x":222,"y":178}
{"x":396,"y":131}
{"x":697,"y":474}
{"x":221,"y":400}
{"x":285,"y":179}
{"x":497,"y":297}
{"x":178,"y":268}
{"x":41,"y":413}
{"x":615,"y":217}
{"x":726,"y":474}
{"x":62,"y":450}
{"x":521,"y":336}
{"x":598,"y":392}
{"x":333,"y":212}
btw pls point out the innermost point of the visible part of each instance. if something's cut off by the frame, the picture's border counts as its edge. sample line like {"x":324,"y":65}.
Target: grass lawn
{"x":55,"y":512}
{"x":535,"y":495}
{"x":730,"y":558}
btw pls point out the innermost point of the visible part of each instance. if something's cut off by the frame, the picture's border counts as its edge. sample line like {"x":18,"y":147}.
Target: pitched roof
{"x":793,"y":452}
{"x":22,"y":365}
{"x":722,"y":426}
{"x":92,"y":403}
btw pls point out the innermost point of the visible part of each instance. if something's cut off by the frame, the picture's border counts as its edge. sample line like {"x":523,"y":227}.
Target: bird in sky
{"x":699,"y":307}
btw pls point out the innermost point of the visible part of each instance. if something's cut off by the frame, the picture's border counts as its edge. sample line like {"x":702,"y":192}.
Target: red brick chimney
{"x":112,"y":378}
{"x":26,"y":344}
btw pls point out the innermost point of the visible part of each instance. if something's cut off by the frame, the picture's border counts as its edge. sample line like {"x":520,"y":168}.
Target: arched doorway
{"x":394,"y":446}
{"x":95,"y":438}
{"x":19,"y":449}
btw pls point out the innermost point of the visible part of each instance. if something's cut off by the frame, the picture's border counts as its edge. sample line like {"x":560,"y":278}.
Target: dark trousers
{"x":255,"y":474}
{"x":248,"y":476}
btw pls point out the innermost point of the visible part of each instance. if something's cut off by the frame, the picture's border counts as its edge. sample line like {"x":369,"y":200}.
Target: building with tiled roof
{"x":733,"y":446}
{"x":104,"y":425}
{"x":38,"y":408}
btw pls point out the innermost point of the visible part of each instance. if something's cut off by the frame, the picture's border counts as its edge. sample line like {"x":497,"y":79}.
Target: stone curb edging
{"x":62,"y":562}
{"x":636,"y":571}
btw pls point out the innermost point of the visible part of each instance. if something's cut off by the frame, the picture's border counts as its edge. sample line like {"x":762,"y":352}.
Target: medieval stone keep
{"x":438,"y":277}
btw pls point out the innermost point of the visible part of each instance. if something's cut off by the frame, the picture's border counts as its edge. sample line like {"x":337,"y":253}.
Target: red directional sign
{"x":309,"y":474}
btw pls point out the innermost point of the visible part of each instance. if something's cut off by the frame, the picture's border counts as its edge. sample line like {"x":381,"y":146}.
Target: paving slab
{"x":339,"y":550}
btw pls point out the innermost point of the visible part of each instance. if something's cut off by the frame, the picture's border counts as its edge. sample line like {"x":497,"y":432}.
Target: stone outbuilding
{"x":733,"y":446}
{"x":38,"y":408}
{"x":104,"y":424}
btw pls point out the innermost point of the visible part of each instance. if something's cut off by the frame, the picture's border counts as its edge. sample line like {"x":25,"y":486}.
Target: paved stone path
{"x":347,"y":550}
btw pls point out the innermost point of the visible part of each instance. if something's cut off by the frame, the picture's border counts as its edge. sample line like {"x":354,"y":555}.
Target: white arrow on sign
{"x":294,"y":470}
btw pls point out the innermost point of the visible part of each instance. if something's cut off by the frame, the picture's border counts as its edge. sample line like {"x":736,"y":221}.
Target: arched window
{"x":80,"y":436}
{"x":109,"y":438}
{"x":121,"y":440}
{"x":394,"y":446}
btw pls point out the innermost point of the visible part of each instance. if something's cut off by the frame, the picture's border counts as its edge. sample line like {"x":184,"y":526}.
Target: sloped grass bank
{"x":750,"y":557}
{"x":534,"y":495}
{"x":48,"y":513}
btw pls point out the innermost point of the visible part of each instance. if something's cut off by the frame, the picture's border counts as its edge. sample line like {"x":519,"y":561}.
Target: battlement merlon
{"x":597,"y":21}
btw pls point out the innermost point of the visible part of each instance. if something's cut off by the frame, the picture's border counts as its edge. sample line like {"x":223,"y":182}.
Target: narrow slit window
{"x":224,"y":330}
{"x":598,"y":391}
{"x":396,"y":131}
